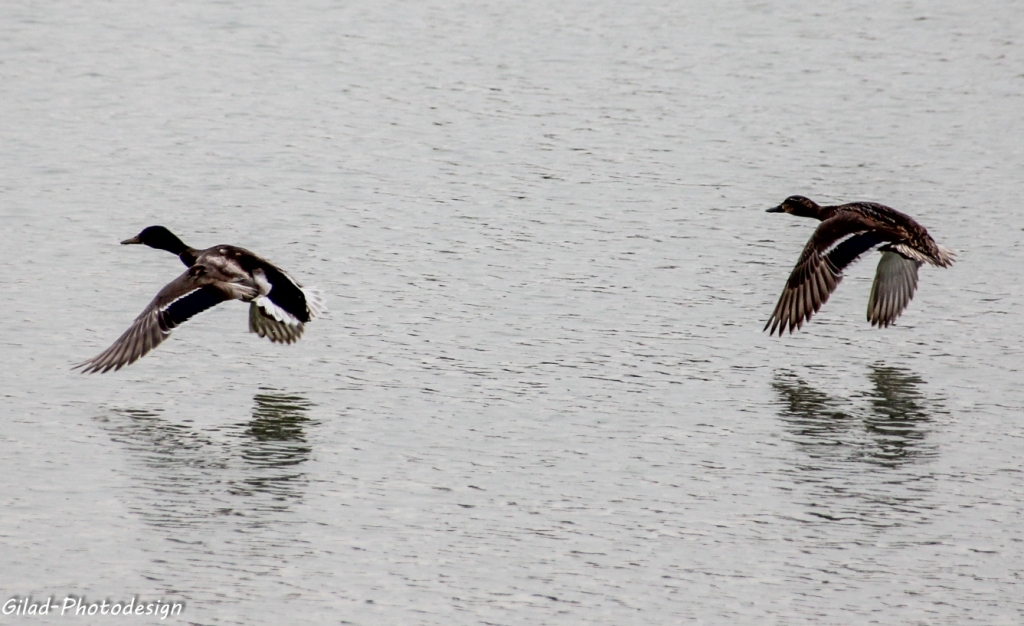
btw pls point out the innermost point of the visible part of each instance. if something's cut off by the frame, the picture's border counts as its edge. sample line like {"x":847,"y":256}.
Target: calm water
{"x":542,"y":394}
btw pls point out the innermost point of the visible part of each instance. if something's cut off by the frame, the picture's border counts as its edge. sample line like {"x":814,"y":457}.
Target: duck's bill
{"x":775,"y":209}
{"x":134,"y":239}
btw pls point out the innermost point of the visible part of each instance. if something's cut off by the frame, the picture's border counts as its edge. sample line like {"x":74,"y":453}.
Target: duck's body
{"x":846,"y":232}
{"x":279,"y":307}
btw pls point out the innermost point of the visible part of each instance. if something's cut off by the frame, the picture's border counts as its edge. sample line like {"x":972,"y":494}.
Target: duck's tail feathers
{"x":316,"y":304}
{"x":945,"y":256}
{"x":925,"y":252}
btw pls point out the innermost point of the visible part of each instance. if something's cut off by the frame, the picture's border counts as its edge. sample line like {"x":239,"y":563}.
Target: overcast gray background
{"x":542,"y":394}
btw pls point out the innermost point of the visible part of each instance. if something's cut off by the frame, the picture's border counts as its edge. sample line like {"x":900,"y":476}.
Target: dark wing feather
{"x":819,"y":270}
{"x":286,"y":293}
{"x":184,"y":297}
{"x":185,"y":307}
{"x":850,"y":249}
{"x":894,"y":286}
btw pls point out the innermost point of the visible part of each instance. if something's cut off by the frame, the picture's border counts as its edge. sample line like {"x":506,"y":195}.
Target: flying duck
{"x":278,"y":310}
{"x":846,"y":232}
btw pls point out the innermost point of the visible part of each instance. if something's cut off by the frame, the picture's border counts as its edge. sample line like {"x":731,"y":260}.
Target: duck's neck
{"x":825,"y":212}
{"x":169,"y":241}
{"x":815,"y":210}
{"x":189,"y":256}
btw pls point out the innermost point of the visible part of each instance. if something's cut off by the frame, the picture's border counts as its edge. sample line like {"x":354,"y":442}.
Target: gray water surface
{"x":542,"y":394}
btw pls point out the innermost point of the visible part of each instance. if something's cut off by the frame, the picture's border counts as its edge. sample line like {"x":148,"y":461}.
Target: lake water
{"x":542,"y":394}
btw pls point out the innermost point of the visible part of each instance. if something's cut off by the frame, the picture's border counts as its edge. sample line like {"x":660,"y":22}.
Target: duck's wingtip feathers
{"x":776,"y":324}
{"x":86,"y":367}
{"x":98,"y":366}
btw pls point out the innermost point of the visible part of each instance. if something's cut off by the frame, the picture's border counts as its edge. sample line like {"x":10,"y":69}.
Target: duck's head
{"x":160,"y":238}
{"x":798,"y":205}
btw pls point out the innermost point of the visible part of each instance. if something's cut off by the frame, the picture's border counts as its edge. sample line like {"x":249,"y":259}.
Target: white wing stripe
{"x":270,"y":309}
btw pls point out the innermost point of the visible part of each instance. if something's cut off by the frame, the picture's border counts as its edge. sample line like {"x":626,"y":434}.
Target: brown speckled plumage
{"x":847,"y":231}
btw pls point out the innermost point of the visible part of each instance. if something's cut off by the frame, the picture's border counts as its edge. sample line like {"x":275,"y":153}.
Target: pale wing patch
{"x":269,"y":309}
{"x":239,"y":291}
{"x":269,"y":319}
{"x":276,"y":330}
{"x":910,"y":253}
{"x":894,"y":286}
{"x":261,"y":281}
{"x":267,"y":306}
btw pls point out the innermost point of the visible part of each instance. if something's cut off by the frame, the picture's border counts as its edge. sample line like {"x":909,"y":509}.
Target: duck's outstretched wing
{"x":281,"y":312}
{"x":894,"y":286}
{"x":819,"y":270}
{"x":186,"y":296}
{"x":281,"y":329}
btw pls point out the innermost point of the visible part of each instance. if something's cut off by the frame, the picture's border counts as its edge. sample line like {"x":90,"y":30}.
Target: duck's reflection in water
{"x":191,"y":479}
{"x":864,"y":456}
{"x":898,"y":420}
{"x":274,"y":444}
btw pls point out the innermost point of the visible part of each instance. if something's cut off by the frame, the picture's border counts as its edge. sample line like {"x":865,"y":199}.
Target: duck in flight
{"x":279,"y":306}
{"x":846,"y":232}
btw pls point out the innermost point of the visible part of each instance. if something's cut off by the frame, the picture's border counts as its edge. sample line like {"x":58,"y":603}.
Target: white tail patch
{"x":943,"y":258}
{"x":946,"y":256}
{"x":315,"y":302}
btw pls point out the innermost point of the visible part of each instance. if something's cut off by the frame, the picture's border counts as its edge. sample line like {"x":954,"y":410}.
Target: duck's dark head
{"x":160,"y":238}
{"x":798,"y":205}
